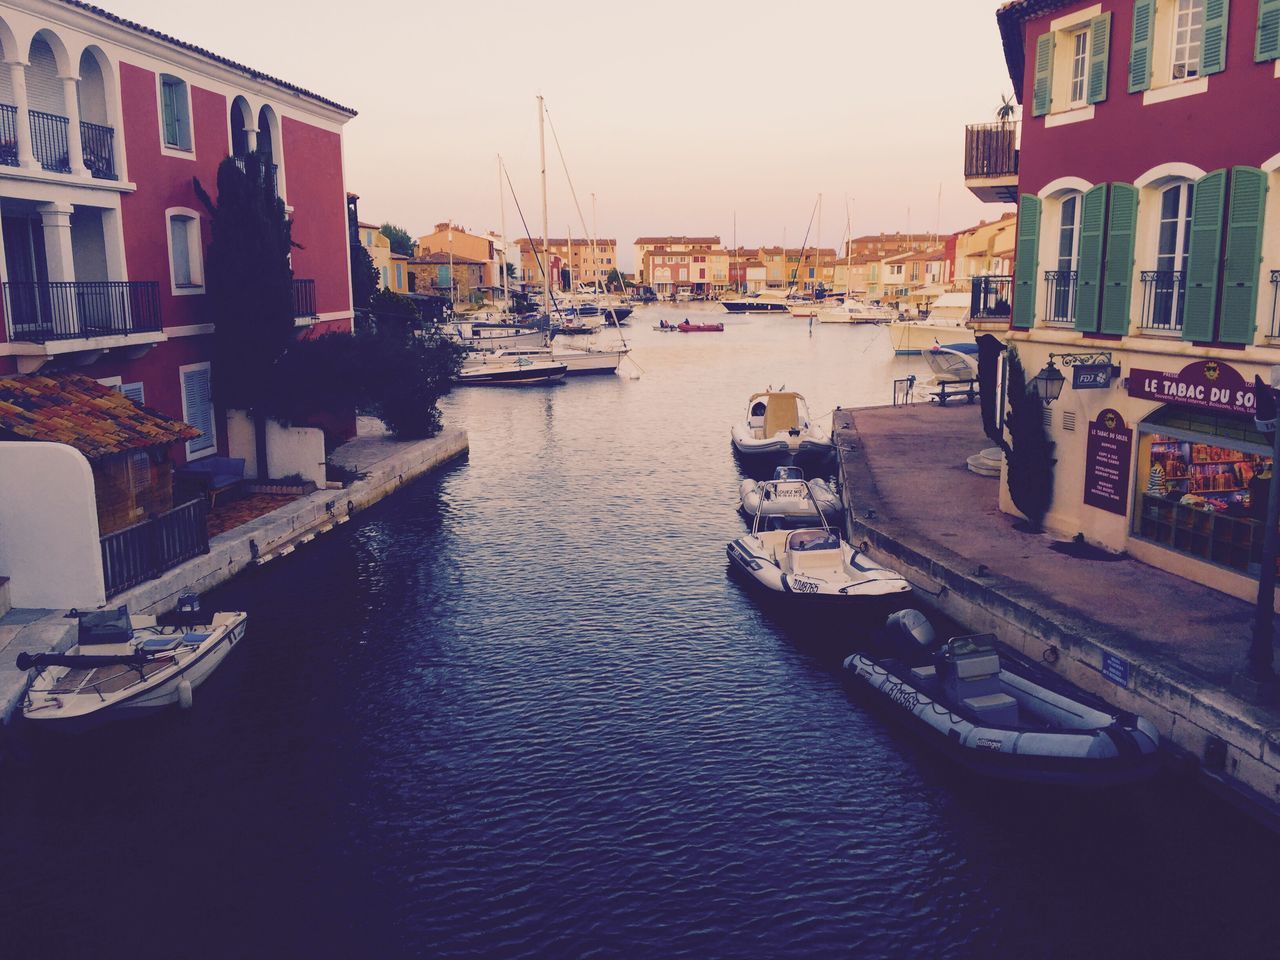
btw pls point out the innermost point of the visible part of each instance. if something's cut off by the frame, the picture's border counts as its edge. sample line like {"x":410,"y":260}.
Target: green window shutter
{"x":1268,"y":45}
{"x":1144,"y":22}
{"x":1243,"y":255}
{"x":1213,"y":51}
{"x":1043,"y":96}
{"x":1093,"y":221}
{"x":1099,"y":54}
{"x":1204,"y":257}
{"x":1117,"y":283}
{"x":1027,"y":254}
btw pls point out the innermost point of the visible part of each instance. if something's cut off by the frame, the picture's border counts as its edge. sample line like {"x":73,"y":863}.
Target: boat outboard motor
{"x":911,"y":627}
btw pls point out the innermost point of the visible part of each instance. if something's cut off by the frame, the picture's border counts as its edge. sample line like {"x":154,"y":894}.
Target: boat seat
{"x":997,"y":708}
{"x":160,"y":644}
{"x":924,"y":674}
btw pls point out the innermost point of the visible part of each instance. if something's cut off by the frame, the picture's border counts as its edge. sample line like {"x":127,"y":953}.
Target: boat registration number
{"x":804,"y":586}
{"x":795,"y":493}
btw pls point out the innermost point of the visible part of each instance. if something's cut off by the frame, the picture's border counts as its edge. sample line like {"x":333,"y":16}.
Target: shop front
{"x":1202,"y":470}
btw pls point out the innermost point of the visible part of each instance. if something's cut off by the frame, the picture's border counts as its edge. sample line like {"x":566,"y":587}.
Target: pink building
{"x":103,"y":125}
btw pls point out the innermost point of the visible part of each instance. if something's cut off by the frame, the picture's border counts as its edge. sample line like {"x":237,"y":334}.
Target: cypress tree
{"x":1030,"y":458}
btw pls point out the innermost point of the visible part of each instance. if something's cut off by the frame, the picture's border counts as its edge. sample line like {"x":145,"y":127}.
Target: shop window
{"x":1204,"y":494}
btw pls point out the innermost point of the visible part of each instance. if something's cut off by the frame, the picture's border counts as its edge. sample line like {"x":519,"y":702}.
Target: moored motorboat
{"x":854,"y":311}
{"x":809,"y":562}
{"x":685,"y":326}
{"x":1001,"y":715}
{"x":777,"y":425}
{"x":766,"y":301}
{"x":953,"y":362}
{"x":917,"y":336}
{"x":515,"y":372}
{"x":789,"y":502}
{"x":577,"y":362}
{"x":126,"y":666}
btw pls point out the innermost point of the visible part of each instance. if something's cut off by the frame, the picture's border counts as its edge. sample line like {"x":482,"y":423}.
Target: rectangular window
{"x":383,"y":270}
{"x":197,"y":407}
{"x":1079,"y":67}
{"x":185,"y":262}
{"x":1188,"y":38}
{"x":399,"y":276}
{"x":140,"y":471}
{"x":176,"y":112}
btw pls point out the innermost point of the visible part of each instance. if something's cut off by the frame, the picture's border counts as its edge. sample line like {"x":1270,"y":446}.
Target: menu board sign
{"x":1207,"y":384}
{"x":1107,"y":457}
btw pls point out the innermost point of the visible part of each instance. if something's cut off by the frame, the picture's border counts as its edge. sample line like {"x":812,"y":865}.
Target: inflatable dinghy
{"x":790,"y":507}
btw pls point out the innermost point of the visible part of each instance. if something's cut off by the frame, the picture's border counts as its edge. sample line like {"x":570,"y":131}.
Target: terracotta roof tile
{"x":82,"y":413}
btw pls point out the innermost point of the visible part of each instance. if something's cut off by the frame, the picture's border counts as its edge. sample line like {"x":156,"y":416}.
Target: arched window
{"x":1166,"y":288}
{"x":1062,"y":302}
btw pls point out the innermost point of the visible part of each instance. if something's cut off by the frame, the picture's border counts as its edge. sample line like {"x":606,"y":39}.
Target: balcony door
{"x":1172,"y":245}
{"x":27,"y":300}
{"x":1063,"y":282}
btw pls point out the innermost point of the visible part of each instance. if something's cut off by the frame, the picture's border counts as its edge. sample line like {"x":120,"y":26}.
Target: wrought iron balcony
{"x":1163,"y":299}
{"x":990,"y":298}
{"x":98,"y":145}
{"x":991,"y":161}
{"x":49,"y":141}
{"x":8,"y":135}
{"x":78,"y":310}
{"x":1060,"y":295}
{"x":1275,"y":303}
{"x":268,"y":173}
{"x":304,"y":298}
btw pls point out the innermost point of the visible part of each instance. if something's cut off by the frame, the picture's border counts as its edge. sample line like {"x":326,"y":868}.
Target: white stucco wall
{"x":49,"y":546}
{"x":290,"y":450}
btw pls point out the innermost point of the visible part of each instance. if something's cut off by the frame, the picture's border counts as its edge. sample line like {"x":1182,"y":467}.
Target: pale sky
{"x":675,"y":114}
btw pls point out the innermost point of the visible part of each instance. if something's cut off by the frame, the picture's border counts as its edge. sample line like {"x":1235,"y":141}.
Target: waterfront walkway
{"x":918,"y":506}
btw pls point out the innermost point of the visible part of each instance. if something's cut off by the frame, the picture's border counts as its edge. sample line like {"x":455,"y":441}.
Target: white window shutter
{"x":197,"y":407}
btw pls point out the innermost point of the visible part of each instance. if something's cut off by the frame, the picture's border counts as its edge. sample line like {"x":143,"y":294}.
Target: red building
{"x":1147,"y":175}
{"x":103,"y":125}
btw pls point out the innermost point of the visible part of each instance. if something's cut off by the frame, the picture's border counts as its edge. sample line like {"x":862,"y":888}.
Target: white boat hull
{"x":806,"y":443}
{"x":911,"y":337}
{"x":798,"y":508}
{"x":860,"y":581}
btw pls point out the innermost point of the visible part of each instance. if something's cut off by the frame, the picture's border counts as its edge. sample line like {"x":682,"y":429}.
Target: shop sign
{"x":1091,"y":376}
{"x":1106,"y":468}
{"x":1207,"y":384}
{"x":1115,"y":669}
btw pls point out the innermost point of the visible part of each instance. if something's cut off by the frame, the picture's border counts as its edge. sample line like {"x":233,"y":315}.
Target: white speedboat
{"x":126,"y":666}
{"x":577,"y":362}
{"x":1000,"y":714}
{"x":777,"y":424}
{"x":790,"y":502}
{"x":953,"y":362}
{"x":855,"y":311}
{"x":766,"y":301}
{"x":480,"y":370}
{"x":493,"y":335}
{"x":917,"y":336}
{"x":811,"y":562}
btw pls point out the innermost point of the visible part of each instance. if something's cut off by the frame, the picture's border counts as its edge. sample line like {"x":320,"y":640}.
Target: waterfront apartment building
{"x":103,"y":126}
{"x":392,"y":268}
{"x":460,"y":278}
{"x":1148,"y":255}
{"x":588,"y":262}
{"x":450,"y":238}
{"x":670,"y":245}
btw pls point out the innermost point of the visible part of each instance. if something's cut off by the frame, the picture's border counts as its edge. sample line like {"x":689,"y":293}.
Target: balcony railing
{"x":1163,"y":298}
{"x":98,"y":146}
{"x":304,"y":298}
{"x":144,"y":551}
{"x":44,"y":312}
{"x":49,"y":141}
{"x":8,"y":135}
{"x":1060,"y":295}
{"x":1275,"y":303}
{"x":991,"y":150}
{"x":990,"y":298}
{"x":268,"y":173}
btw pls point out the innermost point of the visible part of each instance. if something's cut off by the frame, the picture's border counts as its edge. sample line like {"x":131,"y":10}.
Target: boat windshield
{"x":805,"y":540}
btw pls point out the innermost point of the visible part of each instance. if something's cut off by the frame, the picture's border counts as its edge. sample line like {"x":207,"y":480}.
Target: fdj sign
{"x":1091,"y":376}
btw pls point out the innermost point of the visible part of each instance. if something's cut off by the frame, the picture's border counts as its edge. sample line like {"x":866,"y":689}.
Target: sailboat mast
{"x":542,"y":158}
{"x":848,"y":252}
{"x":733,"y":257}
{"x":568,"y":232}
{"x":453,"y":284}
{"x":502,"y":221}
{"x":817,"y":250}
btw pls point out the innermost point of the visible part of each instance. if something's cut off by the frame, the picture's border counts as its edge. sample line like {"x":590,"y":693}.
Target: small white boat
{"x":917,"y":336}
{"x":855,"y":311}
{"x":777,"y":424}
{"x":953,"y":362}
{"x":126,"y":666}
{"x":1001,"y":715}
{"x":811,"y":562}
{"x":480,"y":335}
{"x":789,"y":502}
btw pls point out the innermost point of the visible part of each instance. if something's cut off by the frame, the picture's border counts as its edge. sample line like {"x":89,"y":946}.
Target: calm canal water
{"x":520,"y":710}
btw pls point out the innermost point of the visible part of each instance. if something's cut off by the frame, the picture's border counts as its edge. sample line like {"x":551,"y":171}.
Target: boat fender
{"x":184,"y":694}
{"x":1050,"y":655}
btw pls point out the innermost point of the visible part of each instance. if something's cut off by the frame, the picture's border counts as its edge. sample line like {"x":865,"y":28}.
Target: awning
{"x":82,"y":413}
